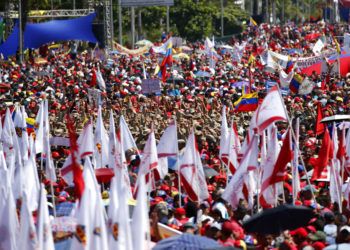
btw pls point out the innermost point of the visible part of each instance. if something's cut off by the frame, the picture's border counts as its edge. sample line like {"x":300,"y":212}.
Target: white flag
{"x":8,"y":221}
{"x":270,"y":110}
{"x":46,"y":153}
{"x":167,"y":147}
{"x":86,"y":210}
{"x":119,"y":236}
{"x":21,"y":130}
{"x":117,"y":159}
{"x":99,"y":231}
{"x":224,"y":137}
{"x":140,"y":226}
{"x":100,"y":81}
{"x":27,"y":237}
{"x":44,"y":232}
{"x":319,"y":45}
{"x":39,"y":131}
{"x":101,"y":141}
{"x":268,"y":193}
{"x":149,"y":162}
{"x":234,"y":148}
{"x":233,"y":192}
{"x":127,"y":138}
{"x":31,"y":185}
{"x":285,"y":78}
{"x":86,"y":140}
{"x":192,"y":173}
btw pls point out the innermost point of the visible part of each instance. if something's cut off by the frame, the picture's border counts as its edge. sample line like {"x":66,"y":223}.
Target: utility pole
{"x":120,"y":27}
{"x":20,"y":31}
{"x":222,"y":17}
{"x":274,"y":18}
{"x":52,"y":9}
{"x":112,"y":25}
{"x":139,"y":19}
{"x":167,"y":19}
{"x":132,"y":27}
{"x":283,"y":10}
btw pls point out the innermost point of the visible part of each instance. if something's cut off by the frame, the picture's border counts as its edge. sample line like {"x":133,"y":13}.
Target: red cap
{"x":318,"y":245}
{"x":301,"y":232}
{"x":180,"y":211}
{"x":227,"y":226}
{"x":164,"y":187}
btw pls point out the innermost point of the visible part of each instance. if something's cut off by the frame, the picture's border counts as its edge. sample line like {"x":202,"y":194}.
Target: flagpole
{"x":41,"y":166}
{"x":258,"y":191}
{"x":230,"y":148}
{"x":53,"y":199}
{"x":343,"y":159}
{"x":337,"y":184}
{"x":178,"y":165}
{"x":294,"y":166}
{"x":338,"y":59}
{"x":297,"y":146}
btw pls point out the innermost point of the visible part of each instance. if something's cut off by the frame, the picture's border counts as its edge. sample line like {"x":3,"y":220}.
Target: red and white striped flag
{"x":192,"y":173}
{"x":167,"y":147}
{"x":235,"y":189}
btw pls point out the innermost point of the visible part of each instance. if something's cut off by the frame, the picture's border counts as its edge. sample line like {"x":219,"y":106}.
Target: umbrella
{"x":335,"y":118}
{"x":187,"y":241}
{"x":202,"y":74}
{"x":240,"y":84}
{"x":144,"y":42}
{"x":175,"y":80}
{"x":185,"y":48}
{"x":181,"y":56}
{"x":275,"y":220}
{"x":209,"y":172}
{"x":104,"y":175}
{"x":225,"y":46}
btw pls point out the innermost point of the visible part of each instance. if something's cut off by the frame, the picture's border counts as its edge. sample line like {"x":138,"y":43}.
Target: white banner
{"x":304,"y":62}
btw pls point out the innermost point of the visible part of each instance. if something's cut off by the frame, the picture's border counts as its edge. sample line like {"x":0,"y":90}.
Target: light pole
{"x":20,"y":31}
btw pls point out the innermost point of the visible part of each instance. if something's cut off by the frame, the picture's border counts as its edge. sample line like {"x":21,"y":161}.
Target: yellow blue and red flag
{"x":247,"y":102}
{"x":167,"y":60}
{"x":295,"y":83}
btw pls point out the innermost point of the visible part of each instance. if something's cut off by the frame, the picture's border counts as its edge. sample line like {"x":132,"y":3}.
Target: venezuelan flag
{"x":290,"y":66}
{"x":167,"y":60}
{"x":247,"y":102}
{"x":30,"y":122}
{"x":295,"y":83}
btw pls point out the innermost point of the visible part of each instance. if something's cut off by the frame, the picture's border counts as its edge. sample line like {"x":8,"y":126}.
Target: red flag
{"x":75,"y":166}
{"x":93,"y":81}
{"x":285,"y":156}
{"x":324,"y":155}
{"x":341,"y":149}
{"x":319,"y":127}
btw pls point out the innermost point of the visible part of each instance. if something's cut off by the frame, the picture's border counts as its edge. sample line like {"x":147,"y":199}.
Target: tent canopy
{"x":38,"y":34}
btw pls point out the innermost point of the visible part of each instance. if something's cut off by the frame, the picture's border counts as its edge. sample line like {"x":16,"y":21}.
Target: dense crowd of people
{"x":64,"y":75}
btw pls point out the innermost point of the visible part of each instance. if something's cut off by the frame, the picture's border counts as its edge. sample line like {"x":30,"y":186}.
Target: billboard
{"x":145,"y":3}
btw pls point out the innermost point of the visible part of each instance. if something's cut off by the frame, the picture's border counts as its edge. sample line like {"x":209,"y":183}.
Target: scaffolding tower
{"x":11,"y":13}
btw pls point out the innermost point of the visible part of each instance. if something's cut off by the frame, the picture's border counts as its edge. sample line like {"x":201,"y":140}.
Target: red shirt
{"x":229,"y":242}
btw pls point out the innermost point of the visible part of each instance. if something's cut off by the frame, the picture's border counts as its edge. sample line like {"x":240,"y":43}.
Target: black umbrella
{"x":278,"y":219}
